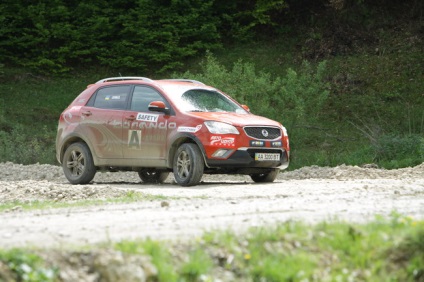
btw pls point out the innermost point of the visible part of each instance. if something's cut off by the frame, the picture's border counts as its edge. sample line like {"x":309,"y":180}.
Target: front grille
{"x":261,"y":132}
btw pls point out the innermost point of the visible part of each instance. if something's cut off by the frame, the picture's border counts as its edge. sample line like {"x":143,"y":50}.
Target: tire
{"x":188,"y":165}
{"x":265,"y":177}
{"x":153,"y":176}
{"x":78,"y":164}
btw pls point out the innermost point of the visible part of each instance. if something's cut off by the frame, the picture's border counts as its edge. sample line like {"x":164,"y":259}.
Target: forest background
{"x":346,"y":77}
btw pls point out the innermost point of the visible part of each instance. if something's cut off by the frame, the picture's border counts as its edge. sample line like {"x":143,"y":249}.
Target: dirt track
{"x":310,"y":194}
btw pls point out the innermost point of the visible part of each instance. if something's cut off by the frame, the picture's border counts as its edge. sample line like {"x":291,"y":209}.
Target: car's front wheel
{"x":153,"y":176}
{"x":78,"y":164}
{"x":265,"y":177}
{"x":188,"y":165}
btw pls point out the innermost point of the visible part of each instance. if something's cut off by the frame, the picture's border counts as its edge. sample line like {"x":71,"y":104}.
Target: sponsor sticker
{"x":149,"y":125}
{"x":222,"y":141}
{"x":189,"y":129}
{"x":147,"y":117}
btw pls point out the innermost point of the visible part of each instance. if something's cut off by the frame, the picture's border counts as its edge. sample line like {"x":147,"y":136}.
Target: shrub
{"x":20,"y":147}
{"x":298,"y":97}
{"x":303,"y":94}
{"x":394,"y":150}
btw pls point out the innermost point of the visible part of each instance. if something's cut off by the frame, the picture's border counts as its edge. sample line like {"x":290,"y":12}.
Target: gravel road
{"x":310,"y":194}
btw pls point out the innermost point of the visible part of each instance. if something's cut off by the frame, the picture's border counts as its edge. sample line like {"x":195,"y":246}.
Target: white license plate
{"x":267,"y":157}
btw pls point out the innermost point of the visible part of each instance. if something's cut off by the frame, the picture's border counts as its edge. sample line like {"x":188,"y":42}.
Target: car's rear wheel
{"x":153,"y":176}
{"x":188,"y":165}
{"x":265,"y":177}
{"x":78,"y":164}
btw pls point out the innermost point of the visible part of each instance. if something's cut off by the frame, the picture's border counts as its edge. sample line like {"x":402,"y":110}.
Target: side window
{"x":114,"y":97}
{"x":143,"y":96}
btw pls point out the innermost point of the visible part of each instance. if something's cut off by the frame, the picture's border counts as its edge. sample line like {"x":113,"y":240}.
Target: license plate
{"x":267,"y":157}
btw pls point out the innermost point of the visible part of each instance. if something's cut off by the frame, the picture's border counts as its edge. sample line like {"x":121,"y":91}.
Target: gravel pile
{"x":344,"y":172}
{"x":37,"y":182}
{"x":28,"y":191}
{"x":16,"y":172}
{"x":29,"y":183}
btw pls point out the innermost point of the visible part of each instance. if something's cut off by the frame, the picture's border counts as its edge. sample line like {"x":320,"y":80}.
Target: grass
{"x":24,"y":266}
{"x":385,"y":249}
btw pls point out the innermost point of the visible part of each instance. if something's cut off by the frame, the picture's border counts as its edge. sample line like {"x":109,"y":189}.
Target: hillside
{"x":369,"y":63}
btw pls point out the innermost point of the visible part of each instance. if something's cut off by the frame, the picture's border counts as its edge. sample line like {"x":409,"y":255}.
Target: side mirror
{"x":246,"y":108}
{"x":158,"y":106}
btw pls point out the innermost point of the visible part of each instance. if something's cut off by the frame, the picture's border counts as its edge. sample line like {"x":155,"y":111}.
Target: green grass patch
{"x":160,"y":256}
{"x":386,"y":249}
{"x":22,"y":265}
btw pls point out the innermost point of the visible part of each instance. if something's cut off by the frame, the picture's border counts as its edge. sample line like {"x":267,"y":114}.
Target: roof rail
{"x":124,"y":78}
{"x":185,"y":80}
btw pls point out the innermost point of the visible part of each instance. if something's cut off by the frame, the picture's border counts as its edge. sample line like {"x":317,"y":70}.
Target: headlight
{"x":216,"y":127}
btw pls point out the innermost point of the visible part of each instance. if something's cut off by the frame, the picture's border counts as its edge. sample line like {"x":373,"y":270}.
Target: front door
{"x":145,"y":132}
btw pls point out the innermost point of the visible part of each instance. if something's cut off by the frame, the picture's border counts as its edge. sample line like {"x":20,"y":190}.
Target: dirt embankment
{"x":310,"y":194}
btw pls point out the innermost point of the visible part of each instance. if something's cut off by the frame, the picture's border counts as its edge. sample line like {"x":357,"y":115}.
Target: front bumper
{"x":245,"y":158}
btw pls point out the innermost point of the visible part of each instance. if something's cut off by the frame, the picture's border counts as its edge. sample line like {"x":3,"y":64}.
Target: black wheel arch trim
{"x":72,"y":138}
{"x":176,"y":143}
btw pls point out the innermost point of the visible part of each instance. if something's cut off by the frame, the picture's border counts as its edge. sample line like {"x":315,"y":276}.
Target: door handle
{"x":86,"y":113}
{"x":131,"y":117}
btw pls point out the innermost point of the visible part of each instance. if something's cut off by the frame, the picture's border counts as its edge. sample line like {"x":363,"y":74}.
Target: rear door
{"x":102,"y":120}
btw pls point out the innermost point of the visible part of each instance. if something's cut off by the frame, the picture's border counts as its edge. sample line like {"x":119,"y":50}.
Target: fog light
{"x":222,"y":153}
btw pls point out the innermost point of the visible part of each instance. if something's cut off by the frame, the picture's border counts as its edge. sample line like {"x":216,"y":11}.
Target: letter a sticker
{"x":134,"y":137}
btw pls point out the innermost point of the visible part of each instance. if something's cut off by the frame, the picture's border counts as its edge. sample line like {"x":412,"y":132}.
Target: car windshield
{"x":201,"y":100}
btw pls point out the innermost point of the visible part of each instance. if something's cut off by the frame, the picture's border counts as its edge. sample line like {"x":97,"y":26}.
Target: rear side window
{"x":114,"y":97}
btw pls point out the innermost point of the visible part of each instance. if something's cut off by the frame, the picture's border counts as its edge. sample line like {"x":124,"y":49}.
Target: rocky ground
{"x":172,"y":212}
{"x":28,"y":183}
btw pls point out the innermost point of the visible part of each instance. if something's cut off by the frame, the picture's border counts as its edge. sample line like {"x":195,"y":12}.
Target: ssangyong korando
{"x":155,"y":127}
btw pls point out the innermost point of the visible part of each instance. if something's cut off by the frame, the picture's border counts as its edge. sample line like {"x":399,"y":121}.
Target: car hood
{"x":236,"y":119}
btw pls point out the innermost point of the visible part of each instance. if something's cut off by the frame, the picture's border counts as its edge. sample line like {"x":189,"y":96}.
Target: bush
{"x":19,"y":147}
{"x":298,"y":97}
{"x":394,"y":150}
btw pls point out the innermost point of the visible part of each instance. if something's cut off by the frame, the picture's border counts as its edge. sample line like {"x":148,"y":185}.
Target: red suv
{"x":172,"y":125}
